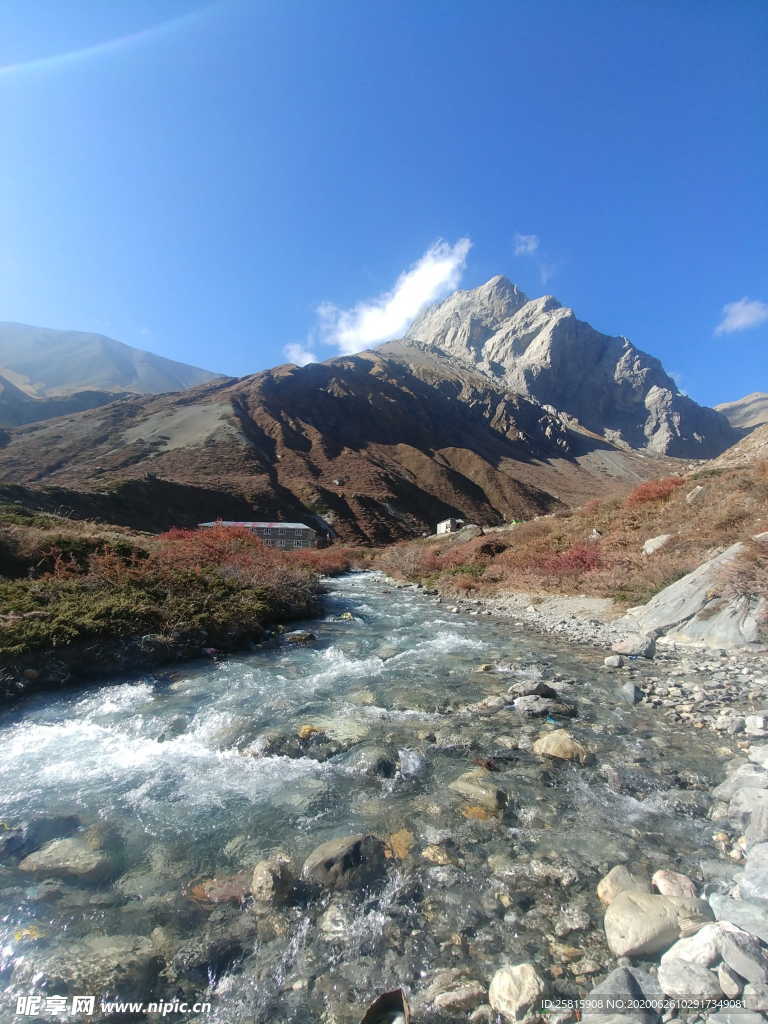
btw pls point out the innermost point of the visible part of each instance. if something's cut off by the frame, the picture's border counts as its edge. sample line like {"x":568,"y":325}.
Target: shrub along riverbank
{"x":81,"y":599}
{"x":600,"y":549}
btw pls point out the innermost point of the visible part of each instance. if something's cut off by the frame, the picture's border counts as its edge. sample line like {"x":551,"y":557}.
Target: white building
{"x":449,"y":525}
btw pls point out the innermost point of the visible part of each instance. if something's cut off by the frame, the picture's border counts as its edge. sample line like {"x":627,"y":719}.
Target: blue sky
{"x":215,"y":183}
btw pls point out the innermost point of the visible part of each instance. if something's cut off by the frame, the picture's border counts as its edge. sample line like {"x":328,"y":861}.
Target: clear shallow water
{"x":162,"y":763}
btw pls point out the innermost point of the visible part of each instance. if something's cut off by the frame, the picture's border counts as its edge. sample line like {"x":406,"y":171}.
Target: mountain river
{"x":144,"y":789}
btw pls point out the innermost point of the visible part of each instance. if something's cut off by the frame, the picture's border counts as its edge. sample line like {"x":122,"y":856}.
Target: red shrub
{"x":574,"y":561}
{"x":654,"y":490}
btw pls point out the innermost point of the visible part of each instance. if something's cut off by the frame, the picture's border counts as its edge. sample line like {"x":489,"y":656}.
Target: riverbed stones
{"x":561,"y":746}
{"x":121,"y":966}
{"x":681,"y":979}
{"x":672,"y":883}
{"x":347,"y":863}
{"x":479,"y":788}
{"x":621,"y":879}
{"x":81,"y":857}
{"x":640,"y":924}
{"x":613,"y":661}
{"x":515,"y":991}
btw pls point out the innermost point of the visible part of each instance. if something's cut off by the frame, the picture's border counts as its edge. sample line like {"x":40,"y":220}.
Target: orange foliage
{"x":654,"y":490}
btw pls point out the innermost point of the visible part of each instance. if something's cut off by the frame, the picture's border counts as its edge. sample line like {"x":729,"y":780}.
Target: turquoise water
{"x":165,"y":765}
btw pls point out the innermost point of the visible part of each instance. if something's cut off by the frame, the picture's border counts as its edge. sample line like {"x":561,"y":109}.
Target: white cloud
{"x":525,"y":244}
{"x":437,"y":273}
{"x":741,"y":315}
{"x":299,"y":355}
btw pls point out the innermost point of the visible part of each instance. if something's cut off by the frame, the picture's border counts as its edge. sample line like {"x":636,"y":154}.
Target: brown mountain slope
{"x":380,"y":447}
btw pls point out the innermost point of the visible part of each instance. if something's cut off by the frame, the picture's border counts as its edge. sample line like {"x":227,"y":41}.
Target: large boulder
{"x":694,"y":610}
{"x":478,"y":786}
{"x":561,"y":746}
{"x":82,"y":857}
{"x":346,"y":863}
{"x":640,"y":924}
{"x":515,"y":991}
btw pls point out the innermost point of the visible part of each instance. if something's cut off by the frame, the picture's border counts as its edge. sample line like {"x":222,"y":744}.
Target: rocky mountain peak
{"x":539,"y":349}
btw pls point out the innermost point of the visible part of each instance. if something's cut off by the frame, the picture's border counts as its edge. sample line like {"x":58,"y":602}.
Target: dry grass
{"x":597,"y":549}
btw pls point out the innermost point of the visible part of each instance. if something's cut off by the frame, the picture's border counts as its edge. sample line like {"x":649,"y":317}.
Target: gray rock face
{"x":347,"y":863}
{"x":540,"y":350}
{"x":692,"y":610}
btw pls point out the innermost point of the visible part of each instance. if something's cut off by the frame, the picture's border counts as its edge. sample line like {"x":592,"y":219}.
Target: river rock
{"x":754,"y":884}
{"x":299,"y":636}
{"x":640,"y":924}
{"x":479,"y":788}
{"x":757,"y":829}
{"x":457,"y":1001}
{"x":671,"y":883}
{"x":81,"y":857}
{"x":515,"y":991}
{"x":743,"y":953}
{"x":750,"y":917}
{"x":226,"y":889}
{"x":560,"y":745}
{"x":413,"y":764}
{"x":620,"y":879}
{"x":346,"y":863}
{"x":272,"y":881}
{"x":113,"y":966}
{"x":374,"y":761}
{"x":747,"y":776}
{"x":625,"y":983}
{"x":681,"y":979}
{"x":614,"y":661}
{"x":631,"y":693}
{"x":639,"y":645}
{"x":452,"y":991}
{"x":731,"y":983}
{"x":19,"y":840}
{"x":533,"y":689}
{"x":703,"y":948}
